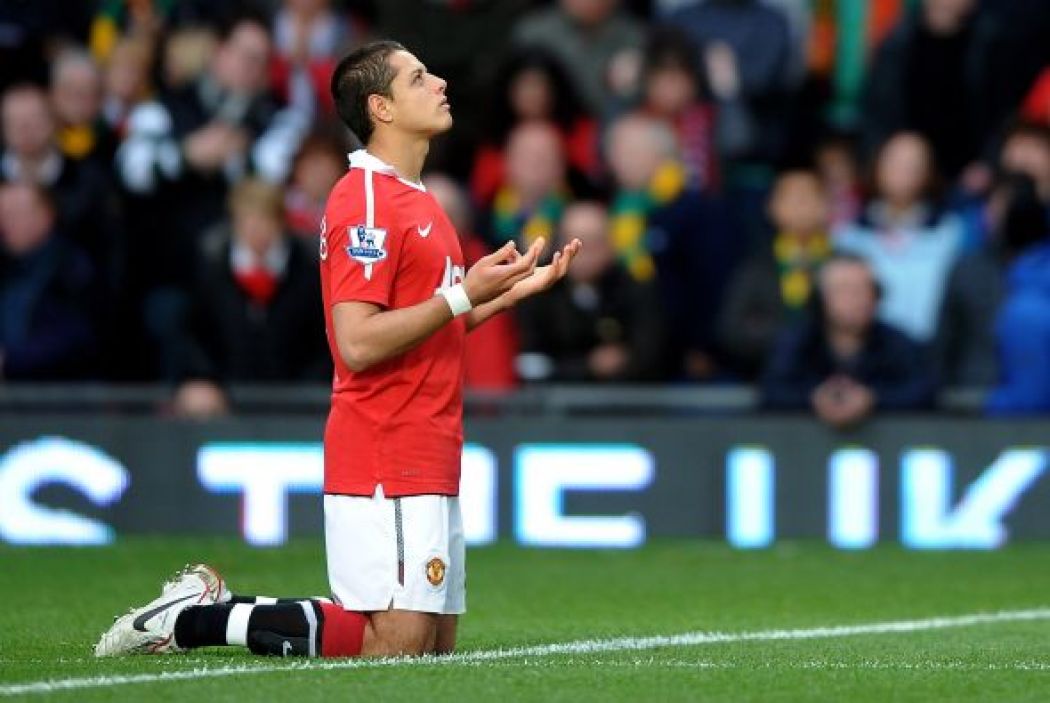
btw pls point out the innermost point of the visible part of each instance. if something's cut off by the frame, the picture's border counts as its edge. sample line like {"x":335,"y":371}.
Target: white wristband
{"x":457,"y":300}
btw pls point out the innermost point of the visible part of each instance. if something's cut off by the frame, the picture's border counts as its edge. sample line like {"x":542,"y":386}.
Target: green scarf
{"x":630,"y":218}
{"x":512,"y":221}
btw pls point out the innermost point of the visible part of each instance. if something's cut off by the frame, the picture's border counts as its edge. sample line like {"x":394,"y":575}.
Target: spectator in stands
{"x":1026,"y":150}
{"x":841,"y":361}
{"x":745,"y":49}
{"x":966,"y":334}
{"x":773,"y":288}
{"x":835,"y":160}
{"x":707,"y":129}
{"x":531,"y":86}
{"x":597,"y":43}
{"x":256,"y":313}
{"x":909,"y":241}
{"x":149,"y":20}
{"x":76,"y":94}
{"x":598,"y":324}
{"x":1022,"y":333}
{"x":308,"y":36}
{"x":663,"y":231}
{"x":937,"y":73}
{"x":48,"y":293}
{"x":321,"y":162}
{"x":530,"y":201}
{"x":188,"y":147}
{"x":179,"y":158}
{"x":84,"y":204}
{"x":489,"y":361}
{"x":757,"y":35}
{"x":126,"y":83}
{"x":186,"y":56}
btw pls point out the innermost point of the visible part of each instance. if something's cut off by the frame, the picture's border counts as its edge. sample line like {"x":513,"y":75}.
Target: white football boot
{"x":212,"y":578}
{"x":151,"y":628}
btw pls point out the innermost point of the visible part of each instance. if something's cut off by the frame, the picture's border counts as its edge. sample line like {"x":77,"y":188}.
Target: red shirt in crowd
{"x":399,"y":423}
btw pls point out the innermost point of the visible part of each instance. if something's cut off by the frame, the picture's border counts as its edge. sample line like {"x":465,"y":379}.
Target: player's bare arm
{"x":367,"y":334}
{"x":542,"y":278}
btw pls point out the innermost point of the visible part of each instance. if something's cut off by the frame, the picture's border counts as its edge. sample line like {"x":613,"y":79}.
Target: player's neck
{"x":406,"y":155}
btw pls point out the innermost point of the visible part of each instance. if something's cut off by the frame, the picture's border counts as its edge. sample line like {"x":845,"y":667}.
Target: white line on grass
{"x":803,"y":665}
{"x":578,"y":647}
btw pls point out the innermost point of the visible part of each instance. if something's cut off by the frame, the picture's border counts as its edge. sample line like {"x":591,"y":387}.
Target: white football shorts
{"x":396,"y":553}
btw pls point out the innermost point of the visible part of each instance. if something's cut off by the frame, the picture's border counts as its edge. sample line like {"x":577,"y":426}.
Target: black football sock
{"x":286,"y":629}
{"x":202,"y":626}
{"x":283,"y":629}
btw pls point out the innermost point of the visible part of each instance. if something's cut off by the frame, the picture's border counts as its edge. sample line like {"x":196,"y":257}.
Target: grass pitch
{"x":766,"y":605}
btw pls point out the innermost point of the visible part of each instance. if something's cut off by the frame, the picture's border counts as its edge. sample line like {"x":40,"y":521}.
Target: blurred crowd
{"x":845,"y":203}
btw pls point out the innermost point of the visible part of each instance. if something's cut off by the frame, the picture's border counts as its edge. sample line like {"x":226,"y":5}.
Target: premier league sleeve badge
{"x":367,"y":246}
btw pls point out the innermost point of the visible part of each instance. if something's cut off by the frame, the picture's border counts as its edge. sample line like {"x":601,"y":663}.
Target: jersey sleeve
{"x":362,"y":247}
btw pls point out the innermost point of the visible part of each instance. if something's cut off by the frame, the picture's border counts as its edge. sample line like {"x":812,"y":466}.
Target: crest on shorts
{"x":436,"y":571}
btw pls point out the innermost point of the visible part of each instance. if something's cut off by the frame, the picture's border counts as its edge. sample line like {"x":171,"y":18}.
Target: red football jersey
{"x":385,"y":240}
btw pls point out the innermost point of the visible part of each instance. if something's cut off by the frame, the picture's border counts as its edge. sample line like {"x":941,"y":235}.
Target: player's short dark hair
{"x":363,"y":72}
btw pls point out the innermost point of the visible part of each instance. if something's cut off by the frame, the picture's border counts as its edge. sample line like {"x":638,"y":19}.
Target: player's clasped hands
{"x":508,"y":271}
{"x":543,"y":277}
{"x":495,"y":274}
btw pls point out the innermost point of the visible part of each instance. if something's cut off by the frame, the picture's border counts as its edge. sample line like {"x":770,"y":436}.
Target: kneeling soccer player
{"x":398,"y":305}
{"x":195,"y":609}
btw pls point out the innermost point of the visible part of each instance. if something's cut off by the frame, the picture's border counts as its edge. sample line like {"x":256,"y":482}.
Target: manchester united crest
{"x":436,"y":571}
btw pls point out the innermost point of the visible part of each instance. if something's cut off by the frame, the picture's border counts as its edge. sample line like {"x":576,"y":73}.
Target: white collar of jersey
{"x":362,"y":159}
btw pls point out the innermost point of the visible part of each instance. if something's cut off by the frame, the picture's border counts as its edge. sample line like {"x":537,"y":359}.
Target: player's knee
{"x":403,"y":634}
{"x":445,"y":640}
{"x":403,"y":644}
{"x":419,"y":640}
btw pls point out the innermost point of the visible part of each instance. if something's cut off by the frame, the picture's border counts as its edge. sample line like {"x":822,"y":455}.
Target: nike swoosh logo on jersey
{"x":139,"y":623}
{"x":424,"y":232}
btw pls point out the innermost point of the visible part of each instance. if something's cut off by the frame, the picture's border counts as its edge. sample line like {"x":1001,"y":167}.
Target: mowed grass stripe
{"x":578,"y":647}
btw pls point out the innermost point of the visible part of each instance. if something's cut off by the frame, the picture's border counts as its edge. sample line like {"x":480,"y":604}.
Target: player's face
{"x":419,"y":103}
